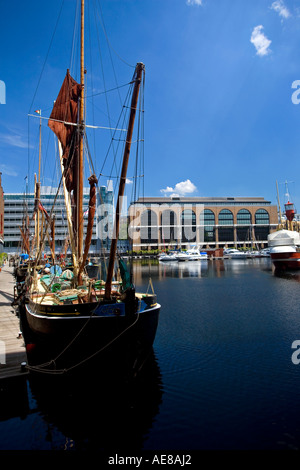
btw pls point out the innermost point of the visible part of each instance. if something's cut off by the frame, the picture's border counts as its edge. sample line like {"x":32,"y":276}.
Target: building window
{"x":262,"y":228}
{"x":225,"y":222}
{"x":243,"y":231}
{"x":168,"y":224}
{"x":207,"y":220}
{"x":188,"y":222}
{"x":262,"y":217}
{"x":149,"y":228}
{"x":225,"y":217}
{"x":243,"y":217}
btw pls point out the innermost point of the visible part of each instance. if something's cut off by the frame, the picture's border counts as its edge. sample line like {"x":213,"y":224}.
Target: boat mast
{"x":113,"y":249}
{"x":280,"y":216}
{"x":81,"y":134}
{"x":38,"y":188}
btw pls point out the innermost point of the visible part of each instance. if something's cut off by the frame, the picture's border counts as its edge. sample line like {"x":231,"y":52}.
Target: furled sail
{"x":65,"y":110}
{"x":91,"y":214}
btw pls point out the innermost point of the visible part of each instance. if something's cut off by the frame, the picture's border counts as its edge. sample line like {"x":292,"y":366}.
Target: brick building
{"x":167,"y":222}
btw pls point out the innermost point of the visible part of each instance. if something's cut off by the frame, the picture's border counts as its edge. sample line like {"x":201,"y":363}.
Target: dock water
{"x":12,"y":347}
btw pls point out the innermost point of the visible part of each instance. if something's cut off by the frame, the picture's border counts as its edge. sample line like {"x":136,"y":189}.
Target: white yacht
{"x":235,"y":254}
{"x":196,"y":254}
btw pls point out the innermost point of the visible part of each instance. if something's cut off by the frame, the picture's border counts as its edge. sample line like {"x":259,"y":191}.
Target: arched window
{"x":243,"y":231}
{"x":207,"y":226}
{"x":168,"y":222}
{"x":149,"y":228}
{"x":262,"y":225}
{"x":225,"y":217}
{"x":188,"y":222}
{"x":243,"y":217}
{"x":225,"y":222}
{"x":262,"y":217}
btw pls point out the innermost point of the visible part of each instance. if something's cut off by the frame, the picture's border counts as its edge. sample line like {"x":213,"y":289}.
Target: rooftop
{"x":202,"y":200}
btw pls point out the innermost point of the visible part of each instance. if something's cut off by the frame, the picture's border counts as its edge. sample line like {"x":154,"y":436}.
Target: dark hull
{"x":20,"y":273}
{"x":283,"y":261}
{"x":69,"y":343}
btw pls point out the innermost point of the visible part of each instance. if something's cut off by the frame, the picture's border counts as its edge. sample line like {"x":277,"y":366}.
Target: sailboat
{"x":68,"y":320}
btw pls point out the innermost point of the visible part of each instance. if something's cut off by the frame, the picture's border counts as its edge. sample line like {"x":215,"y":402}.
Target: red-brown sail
{"x":66,"y":109}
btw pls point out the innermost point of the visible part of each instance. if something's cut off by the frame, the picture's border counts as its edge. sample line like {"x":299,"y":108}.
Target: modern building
{"x":17,"y":205}
{"x":216,"y":222}
{"x":104,"y":217}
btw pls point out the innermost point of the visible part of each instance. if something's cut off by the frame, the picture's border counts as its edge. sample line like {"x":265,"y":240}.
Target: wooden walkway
{"x":12,"y":348}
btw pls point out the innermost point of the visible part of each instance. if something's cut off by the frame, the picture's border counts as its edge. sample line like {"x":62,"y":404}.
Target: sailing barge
{"x":69,"y":320}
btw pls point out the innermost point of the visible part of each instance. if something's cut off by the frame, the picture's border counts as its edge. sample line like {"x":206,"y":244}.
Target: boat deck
{"x":12,"y":348}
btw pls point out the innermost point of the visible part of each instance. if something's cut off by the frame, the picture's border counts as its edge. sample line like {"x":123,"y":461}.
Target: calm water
{"x":221,"y":376}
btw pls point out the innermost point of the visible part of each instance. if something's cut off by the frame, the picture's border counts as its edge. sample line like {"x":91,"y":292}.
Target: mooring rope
{"x":41,"y":367}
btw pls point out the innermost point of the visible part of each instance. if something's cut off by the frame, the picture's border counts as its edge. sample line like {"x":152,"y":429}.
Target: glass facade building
{"x":16,"y":205}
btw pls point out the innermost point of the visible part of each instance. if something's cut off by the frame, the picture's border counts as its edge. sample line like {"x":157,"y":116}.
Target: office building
{"x":216,"y":222}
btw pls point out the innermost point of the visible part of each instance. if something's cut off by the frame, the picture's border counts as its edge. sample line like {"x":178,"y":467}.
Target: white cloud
{"x":14,"y":140}
{"x":281,"y":9}
{"x":180,"y":189}
{"x":194,"y":2}
{"x":260,"y":41}
{"x":7,"y":170}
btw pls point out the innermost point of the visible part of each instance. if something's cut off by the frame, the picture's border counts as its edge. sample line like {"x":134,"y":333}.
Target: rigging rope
{"x":41,"y":367}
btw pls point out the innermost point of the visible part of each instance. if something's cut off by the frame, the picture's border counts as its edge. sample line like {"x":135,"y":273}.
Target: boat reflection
{"x":197,"y":269}
{"x":100,"y":413}
{"x":289,"y":275}
{"x":14,"y":399}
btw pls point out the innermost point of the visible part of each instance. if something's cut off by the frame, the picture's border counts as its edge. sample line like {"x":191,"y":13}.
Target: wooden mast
{"x":113,"y":249}
{"x":81,"y":134}
{"x":279,"y":208}
{"x":38,"y":188}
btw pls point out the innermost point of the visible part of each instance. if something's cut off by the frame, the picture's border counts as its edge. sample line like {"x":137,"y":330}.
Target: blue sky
{"x":221,"y":115}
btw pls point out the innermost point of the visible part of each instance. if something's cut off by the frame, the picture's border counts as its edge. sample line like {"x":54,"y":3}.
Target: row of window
{"x":207,"y":217}
{"x":169,"y":230}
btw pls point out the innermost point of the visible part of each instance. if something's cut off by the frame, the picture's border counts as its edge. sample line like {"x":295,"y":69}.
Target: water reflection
{"x":289,"y":275}
{"x":14,"y":399}
{"x":100,"y":413}
{"x":196,"y":269}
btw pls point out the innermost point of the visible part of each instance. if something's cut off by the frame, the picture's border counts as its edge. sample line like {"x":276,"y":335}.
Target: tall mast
{"x":113,"y":249}
{"x":81,"y":134}
{"x":38,"y":187}
{"x":279,"y":208}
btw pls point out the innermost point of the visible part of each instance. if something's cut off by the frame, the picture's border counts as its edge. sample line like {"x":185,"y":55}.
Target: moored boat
{"x":284,"y":244}
{"x":195,"y":254}
{"x":235,"y":254}
{"x":285,"y":249}
{"x":182,"y":256}
{"x":69,"y":320}
{"x":166,"y":257}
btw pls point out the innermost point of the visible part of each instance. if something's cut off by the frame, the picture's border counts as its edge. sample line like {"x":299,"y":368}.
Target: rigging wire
{"x":45,"y":61}
{"x":108,"y":41}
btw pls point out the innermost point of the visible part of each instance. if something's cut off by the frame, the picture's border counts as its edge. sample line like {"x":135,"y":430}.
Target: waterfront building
{"x":216,"y":222}
{"x":18,"y":204}
{"x":104,"y":217}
